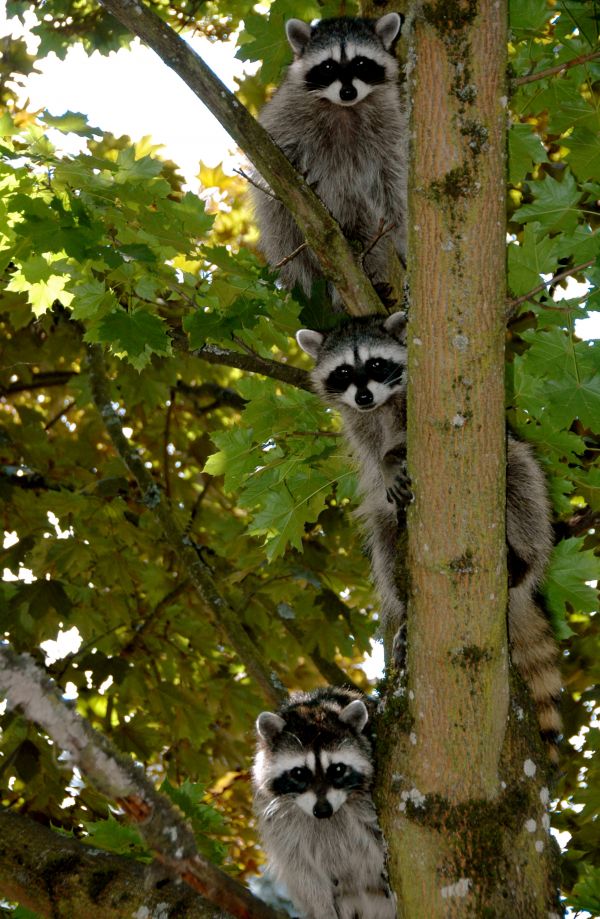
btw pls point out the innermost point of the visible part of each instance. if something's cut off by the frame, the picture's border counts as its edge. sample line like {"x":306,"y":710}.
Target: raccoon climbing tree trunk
{"x":462,"y":793}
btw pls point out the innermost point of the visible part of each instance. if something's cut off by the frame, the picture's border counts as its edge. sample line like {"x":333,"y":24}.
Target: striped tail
{"x":535,"y":654}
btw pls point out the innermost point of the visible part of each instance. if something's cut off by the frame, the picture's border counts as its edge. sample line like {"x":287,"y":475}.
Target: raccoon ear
{"x":355,"y":715}
{"x":298,"y":34}
{"x":269,"y":725}
{"x":396,"y":326}
{"x":309,"y":341}
{"x":388,"y":29}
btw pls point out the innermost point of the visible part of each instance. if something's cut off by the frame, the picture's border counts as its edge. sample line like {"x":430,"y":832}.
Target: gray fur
{"x":378,"y":441}
{"x":349,"y":154}
{"x":333,"y":868}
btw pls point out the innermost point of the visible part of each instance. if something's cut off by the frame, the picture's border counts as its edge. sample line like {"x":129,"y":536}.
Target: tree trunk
{"x":462,"y":795}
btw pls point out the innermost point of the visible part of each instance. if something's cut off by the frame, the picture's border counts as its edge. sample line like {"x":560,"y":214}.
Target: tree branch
{"x":253,"y":363}
{"x":224,"y":617}
{"x":550,"y":71}
{"x":514,"y":304}
{"x":161,"y":825}
{"x":57,"y":876}
{"x":38,"y":381}
{"x":221,"y":395}
{"x":321,"y":231}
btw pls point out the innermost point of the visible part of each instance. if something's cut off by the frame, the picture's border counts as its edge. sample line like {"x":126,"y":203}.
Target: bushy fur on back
{"x":312,"y":778}
{"x":347,"y":151}
{"x":373,"y":408}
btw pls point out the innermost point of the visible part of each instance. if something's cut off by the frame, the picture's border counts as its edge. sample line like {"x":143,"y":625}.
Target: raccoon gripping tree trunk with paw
{"x":463,"y":776}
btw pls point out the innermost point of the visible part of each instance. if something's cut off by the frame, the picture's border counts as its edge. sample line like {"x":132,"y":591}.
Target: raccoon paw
{"x":385,"y":292}
{"x":399,"y":648}
{"x":399,"y":490}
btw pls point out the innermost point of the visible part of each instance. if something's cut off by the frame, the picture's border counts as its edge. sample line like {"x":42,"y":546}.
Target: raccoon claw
{"x":399,"y":648}
{"x":399,"y":492}
{"x":385,"y":293}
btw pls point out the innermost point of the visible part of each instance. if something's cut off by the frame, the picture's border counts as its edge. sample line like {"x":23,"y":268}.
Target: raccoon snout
{"x":323,"y":809}
{"x":363,"y":397}
{"x":348,"y":93}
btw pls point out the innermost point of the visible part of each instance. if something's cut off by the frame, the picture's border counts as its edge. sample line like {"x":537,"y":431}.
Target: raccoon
{"x":361,"y":370}
{"x":312,"y":777}
{"x":338,"y":118}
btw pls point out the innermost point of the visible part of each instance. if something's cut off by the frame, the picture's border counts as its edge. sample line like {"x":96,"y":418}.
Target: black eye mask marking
{"x":342,"y":776}
{"x":294,"y":781}
{"x":378,"y":370}
{"x":362,"y":68}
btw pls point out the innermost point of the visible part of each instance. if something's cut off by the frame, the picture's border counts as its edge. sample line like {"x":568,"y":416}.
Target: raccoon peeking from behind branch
{"x":312,"y":778}
{"x":338,"y":118}
{"x":360,"y":369}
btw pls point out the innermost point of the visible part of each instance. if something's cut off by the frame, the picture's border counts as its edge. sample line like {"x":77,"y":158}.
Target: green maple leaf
{"x":238,"y":456}
{"x":137,"y":335}
{"x":117,"y":837}
{"x":575,"y":399}
{"x":524,"y":149}
{"x":566,"y":106}
{"x":532,"y":258}
{"x":528,"y":15}
{"x":570,"y":569}
{"x":584,"y":153}
{"x":70,"y":123}
{"x":89,"y":298}
{"x":555,"y":205}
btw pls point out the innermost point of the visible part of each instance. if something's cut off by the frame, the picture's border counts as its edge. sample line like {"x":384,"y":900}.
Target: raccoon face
{"x":316,"y":776}
{"x":361,"y":365}
{"x":344,"y":60}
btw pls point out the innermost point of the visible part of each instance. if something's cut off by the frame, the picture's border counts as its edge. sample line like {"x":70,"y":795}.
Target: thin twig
{"x":514,"y":304}
{"x":292,"y":255}
{"x":373,"y":242}
{"x":223,"y":615}
{"x":263,"y":188}
{"x":166,"y":441}
{"x":550,"y":71}
{"x":64,"y":411}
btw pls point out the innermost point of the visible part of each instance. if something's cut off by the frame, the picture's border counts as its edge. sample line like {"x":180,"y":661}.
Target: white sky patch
{"x":132,"y":92}
{"x":64,"y":643}
{"x":373,"y":664}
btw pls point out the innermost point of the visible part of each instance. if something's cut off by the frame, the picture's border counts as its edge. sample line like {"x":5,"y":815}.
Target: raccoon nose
{"x":347,"y":93}
{"x":323,"y":809}
{"x":363,"y":397}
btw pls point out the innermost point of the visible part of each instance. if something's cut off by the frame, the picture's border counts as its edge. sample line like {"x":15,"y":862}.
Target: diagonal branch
{"x":514,"y":304}
{"x":224,"y":617}
{"x":550,"y":71}
{"x":254,"y":363}
{"x":161,"y":825}
{"x":321,"y":231}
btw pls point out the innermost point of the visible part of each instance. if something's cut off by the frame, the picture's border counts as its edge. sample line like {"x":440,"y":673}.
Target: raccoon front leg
{"x":396,"y":478}
{"x":280,"y":237}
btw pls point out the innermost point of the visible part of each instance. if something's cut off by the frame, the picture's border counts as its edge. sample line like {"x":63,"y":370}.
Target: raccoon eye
{"x":301,"y":775}
{"x":374,"y":364}
{"x":327,"y":66}
{"x":338,"y":770}
{"x":360,"y":62}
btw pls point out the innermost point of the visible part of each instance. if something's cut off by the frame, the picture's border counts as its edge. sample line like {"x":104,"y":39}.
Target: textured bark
{"x":60,"y":878}
{"x":462,"y":796}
